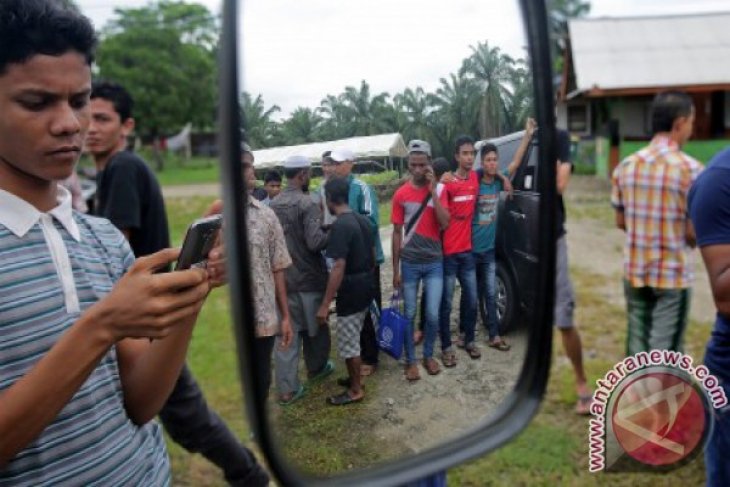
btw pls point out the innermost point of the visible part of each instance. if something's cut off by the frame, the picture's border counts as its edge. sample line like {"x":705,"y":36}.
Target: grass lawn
{"x":702,"y":150}
{"x":198,"y":170}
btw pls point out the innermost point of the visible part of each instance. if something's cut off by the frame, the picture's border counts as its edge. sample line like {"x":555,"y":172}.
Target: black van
{"x":517,"y":231}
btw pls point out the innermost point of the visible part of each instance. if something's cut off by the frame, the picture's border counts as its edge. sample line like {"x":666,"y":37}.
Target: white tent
{"x":385,"y":145}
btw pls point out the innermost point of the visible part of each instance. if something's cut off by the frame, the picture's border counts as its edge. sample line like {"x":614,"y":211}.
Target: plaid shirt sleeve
{"x":616,"y":196}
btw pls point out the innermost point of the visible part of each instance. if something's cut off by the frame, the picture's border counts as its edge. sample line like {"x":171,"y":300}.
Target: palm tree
{"x":492,"y":70}
{"x":366,"y":114}
{"x":304,"y":125}
{"x":413,"y":109}
{"x":334,"y":123}
{"x":520,"y":102}
{"x":456,"y":104}
{"x":258,"y":127}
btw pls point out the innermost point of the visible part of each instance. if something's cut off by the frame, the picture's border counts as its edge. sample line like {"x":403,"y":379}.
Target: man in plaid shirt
{"x":649,"y":194}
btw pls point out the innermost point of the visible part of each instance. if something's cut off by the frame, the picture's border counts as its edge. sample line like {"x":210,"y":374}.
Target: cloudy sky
{"x":296,"y":52}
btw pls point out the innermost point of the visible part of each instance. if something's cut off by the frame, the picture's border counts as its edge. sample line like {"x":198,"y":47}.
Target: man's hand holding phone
{"x":146,"y":304}
{"x":217,"y":256}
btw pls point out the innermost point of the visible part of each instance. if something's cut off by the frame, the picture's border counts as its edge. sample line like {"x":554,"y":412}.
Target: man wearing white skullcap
{"x":306,"y":280}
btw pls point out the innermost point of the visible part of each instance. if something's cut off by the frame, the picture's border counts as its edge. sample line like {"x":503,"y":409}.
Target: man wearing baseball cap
{"x":419,"y":215}
{"x":362,"y":200}
{"x":306,"y":281}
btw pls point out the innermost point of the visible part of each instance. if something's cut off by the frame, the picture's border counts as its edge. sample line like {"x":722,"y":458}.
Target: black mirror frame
{"x":515,"y":413}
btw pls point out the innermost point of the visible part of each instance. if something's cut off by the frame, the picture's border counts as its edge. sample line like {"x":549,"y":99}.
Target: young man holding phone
{"x":419,"y":215}
{"x":80,"y":379}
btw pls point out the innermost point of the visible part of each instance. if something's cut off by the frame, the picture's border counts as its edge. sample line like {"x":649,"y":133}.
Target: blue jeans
{"x":717,"y":466}
{"x":487,"y":290}
{"x":459,"y":266}
{"x":432,"y":275}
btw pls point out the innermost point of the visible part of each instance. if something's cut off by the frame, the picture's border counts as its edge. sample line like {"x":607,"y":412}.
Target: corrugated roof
{"x":385,"y":145}
{"x":666,"y":51}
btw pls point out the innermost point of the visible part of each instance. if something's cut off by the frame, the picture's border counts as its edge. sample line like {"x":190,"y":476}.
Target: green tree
{"x":366,"y":114}
{"x":492,"y":71}
{"x":164,"y":54}
{"x":559,"y":13}
{"x":413,"y":109}
{"x":260,"y":130}
{"x":520,"y":100}
{"x":334,"y":124}
{"x":456,"y":103}
{"x":303,"y":126}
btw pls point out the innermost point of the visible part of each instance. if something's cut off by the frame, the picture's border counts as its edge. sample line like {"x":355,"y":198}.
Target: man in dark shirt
{"x":709,"y":209}
{"x":351,"y":248}
{"x":306,"y":280}
{"x":130,"y":197}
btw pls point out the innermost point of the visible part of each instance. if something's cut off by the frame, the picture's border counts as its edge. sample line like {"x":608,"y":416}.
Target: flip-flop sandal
{"x":412,"y":374}
{"x":449,"y":359}
{"x":342,"y":399}
{"x":583,"y":406}
{"x":473,"y":352}
{"x":295,"y":397}
{"x":328,"y":368}
{"x":500,"y":345}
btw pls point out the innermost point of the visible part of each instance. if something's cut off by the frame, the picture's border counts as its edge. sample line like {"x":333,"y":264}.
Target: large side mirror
{"x":302,"y":54}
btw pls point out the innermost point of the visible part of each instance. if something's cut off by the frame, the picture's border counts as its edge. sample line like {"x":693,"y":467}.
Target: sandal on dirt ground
{"x":500,"y":345}
{"x":431,"y":366}
{"x":583,"y":406}
{"x":449,"y":359}
{"x":328,"y":368}
{"x":346,"y":382}
{"x":295,"y":396}
{"x":411,"y":372}
{"x":367,"y":369}
{"x":473,"y":352}
{"x":342,"y":399}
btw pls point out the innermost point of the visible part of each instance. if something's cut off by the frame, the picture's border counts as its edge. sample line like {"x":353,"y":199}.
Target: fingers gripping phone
{"x":199,"y":241}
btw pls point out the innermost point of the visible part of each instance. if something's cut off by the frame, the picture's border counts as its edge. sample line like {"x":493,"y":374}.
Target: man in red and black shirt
{"x":419,"y":214}
{"x":461,"y":194}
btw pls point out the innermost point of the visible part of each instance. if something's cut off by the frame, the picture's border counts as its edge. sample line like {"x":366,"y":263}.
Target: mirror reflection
{"x":391,"y":161}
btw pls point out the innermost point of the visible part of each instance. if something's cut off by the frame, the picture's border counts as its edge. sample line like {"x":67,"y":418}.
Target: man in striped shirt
{"x":80,"y":377}
{"x":649,"y":196}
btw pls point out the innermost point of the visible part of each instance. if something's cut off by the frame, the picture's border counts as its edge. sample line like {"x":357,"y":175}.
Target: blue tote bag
{"x":392,"y":329}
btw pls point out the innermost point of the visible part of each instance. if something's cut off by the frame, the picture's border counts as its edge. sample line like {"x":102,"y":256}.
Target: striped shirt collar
{"x":19,"y":216}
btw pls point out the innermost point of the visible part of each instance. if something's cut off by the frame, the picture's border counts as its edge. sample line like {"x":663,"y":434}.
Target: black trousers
{"x":368,"y":339}
{"x":191,"y":423}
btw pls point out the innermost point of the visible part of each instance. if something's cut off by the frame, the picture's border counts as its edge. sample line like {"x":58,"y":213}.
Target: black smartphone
{"x":199,"y":241}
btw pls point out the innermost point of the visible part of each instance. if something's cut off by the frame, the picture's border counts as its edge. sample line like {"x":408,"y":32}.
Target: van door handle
{"x":517,"y":215}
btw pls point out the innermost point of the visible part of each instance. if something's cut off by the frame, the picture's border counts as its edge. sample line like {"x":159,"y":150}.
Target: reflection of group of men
{"x":326,"y":245}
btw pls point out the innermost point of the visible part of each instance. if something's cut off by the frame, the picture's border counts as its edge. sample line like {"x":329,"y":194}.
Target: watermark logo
{"x":652,"y":411}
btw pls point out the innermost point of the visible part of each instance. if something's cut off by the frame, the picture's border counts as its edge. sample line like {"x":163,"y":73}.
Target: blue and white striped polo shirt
{"x":53,"y":266}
